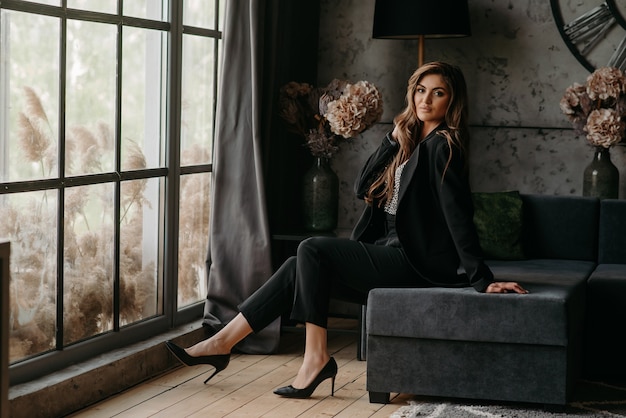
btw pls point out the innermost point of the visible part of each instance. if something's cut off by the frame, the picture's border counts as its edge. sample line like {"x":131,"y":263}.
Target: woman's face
{"x":431,"y":99}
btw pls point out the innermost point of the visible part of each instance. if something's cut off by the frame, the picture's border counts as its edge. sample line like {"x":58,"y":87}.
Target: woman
{"x":416,"y":231}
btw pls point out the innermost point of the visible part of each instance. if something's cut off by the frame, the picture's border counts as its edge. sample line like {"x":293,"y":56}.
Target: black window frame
{"x":170,"y":175}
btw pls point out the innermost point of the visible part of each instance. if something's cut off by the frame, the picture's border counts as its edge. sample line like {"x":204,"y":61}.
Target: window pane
{"x":90,"y":113}
{"x":104,"y":6}
{"x":143,"y":101}
{"x":146,"y":9}
{"x":200,"y":13}
{"x":193,"y":237}
{"x":29,"y":220}
{"x":198,"y":95}
{"x":29,"y":73}
{"x":88,"y":261}
{"x":140,"y":239}
{"x":221,"y":15}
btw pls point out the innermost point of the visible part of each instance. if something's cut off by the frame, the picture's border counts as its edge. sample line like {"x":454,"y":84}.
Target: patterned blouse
{"x":391,"y":206}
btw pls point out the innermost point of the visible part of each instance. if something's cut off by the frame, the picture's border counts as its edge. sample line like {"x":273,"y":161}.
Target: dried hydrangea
{"x":294,"y":90}
{"x":294,"y":105}
{"x":605,"y":83}
{"x":331,"y":93}
{"x":325,"y":116}
{"x":320,"y":144}
{"x":596,"y":108}
{"x":604,"y":128}
{"x":576,"y":105}
{"x":359,"y":107}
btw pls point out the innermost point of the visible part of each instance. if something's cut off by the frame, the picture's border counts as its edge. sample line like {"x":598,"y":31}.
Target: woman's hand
{"x":505,"y":287}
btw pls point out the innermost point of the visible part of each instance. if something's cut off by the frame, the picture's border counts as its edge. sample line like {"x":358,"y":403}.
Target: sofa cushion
{"x":548,"y":315}
{"x":561,"y":227}
{"x":498,"y":220}
{"x":612,"y":234}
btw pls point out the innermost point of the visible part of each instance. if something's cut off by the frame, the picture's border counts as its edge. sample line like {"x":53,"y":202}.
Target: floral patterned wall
{"x":517,"y":68}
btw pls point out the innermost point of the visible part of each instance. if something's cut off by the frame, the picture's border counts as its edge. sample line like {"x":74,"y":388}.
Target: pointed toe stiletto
{"x":328,"y":372}
{"x":219,"y":361}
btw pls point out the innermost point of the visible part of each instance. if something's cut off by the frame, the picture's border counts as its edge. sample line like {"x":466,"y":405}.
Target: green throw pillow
{"x":498,"y":219}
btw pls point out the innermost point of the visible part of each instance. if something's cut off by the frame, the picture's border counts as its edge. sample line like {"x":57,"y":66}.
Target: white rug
{"x":592,"y":399}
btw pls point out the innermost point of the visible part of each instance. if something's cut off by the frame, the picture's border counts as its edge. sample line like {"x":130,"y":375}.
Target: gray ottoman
{"x":464,"y":344}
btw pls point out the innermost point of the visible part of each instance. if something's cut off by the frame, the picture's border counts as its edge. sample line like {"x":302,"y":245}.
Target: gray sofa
{"x":508,"y":347}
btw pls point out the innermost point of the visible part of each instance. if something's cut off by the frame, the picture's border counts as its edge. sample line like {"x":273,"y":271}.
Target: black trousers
{"x":326,"y":267}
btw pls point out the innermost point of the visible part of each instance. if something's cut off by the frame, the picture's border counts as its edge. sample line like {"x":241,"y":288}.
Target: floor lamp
{"x":419,"y":19}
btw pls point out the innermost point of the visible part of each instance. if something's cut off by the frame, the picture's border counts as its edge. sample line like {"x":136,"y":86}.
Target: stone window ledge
{"x":86,"y":383}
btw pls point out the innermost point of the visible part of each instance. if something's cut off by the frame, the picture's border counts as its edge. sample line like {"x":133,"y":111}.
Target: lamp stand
{"x":420,"y":51}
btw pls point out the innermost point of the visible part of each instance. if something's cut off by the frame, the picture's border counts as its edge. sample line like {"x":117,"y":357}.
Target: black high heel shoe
{"x":219,"y":361}
{"x":328,"y":372}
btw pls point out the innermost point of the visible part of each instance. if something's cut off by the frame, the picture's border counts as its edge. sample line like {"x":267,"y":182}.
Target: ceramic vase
{"x":601,"y":177}
{"x":320,"y":197}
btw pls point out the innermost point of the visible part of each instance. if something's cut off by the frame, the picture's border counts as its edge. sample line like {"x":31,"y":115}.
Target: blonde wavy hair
{"x":409,"y":126}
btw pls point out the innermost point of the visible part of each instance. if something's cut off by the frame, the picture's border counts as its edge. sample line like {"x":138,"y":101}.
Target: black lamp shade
{"x":410,"y":19}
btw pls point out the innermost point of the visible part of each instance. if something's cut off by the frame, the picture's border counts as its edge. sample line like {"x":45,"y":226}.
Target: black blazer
{"x":434,"y":219}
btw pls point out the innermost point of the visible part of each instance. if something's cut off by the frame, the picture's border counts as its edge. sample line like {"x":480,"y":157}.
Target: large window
{"x":107,"y":113}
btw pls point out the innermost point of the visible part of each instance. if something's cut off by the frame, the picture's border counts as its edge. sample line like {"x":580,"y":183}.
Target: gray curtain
{"x":239,"y":259}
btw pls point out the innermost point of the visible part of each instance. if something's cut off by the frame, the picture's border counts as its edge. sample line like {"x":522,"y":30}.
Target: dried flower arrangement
{"x":326,"y":116}
{"x":597,"y":107}
{"x":31,"y":220}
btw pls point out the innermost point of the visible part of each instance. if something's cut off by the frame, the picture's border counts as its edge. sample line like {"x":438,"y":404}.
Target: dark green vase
{"x":601,"y":178}
{"x":320,"y":197}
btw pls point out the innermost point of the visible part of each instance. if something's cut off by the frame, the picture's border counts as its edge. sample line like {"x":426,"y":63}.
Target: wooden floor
{"x":245,"y":388}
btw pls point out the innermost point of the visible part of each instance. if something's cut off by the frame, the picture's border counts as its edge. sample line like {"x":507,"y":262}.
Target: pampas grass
{"x":30,"y":222}
{"x":35,"y":134}
{"x":193,"y":237}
